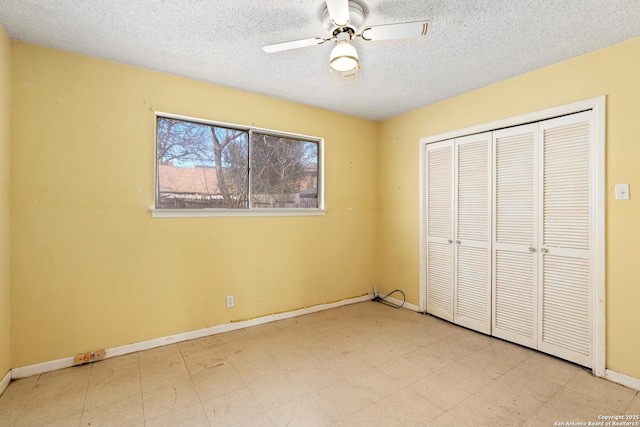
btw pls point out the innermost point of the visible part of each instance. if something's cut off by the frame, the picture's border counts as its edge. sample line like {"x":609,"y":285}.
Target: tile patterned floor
{"x":361,"y":365}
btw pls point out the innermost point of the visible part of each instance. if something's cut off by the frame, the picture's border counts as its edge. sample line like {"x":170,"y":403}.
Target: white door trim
{"x":598,"y":106}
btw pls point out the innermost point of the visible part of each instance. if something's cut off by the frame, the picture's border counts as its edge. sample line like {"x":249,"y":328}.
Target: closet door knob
{"x":457,"y":242}
{"x":531,"y":249}
{"x":543,"y":250}
{"x":450,"y":241}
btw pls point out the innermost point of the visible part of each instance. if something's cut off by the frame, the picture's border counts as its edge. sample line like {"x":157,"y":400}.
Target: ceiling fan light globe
{"x":344,"y":57}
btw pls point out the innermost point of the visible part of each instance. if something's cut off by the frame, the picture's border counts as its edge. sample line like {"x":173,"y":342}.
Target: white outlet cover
{"x":622,"y":191}
{"x":230,"y":301}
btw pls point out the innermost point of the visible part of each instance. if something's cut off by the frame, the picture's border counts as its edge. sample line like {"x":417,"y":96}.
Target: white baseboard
{"x":396,"y":301}
{"x":39,"y":368}
{"x":622,"y":379}
{"x":4,"y":382}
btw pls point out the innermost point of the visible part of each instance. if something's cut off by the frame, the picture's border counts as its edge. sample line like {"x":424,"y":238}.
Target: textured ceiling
{"x":470,"y":44}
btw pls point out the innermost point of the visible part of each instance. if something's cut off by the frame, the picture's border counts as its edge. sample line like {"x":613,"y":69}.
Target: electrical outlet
{"x":375,"y":291}
{"x":230,"y":301}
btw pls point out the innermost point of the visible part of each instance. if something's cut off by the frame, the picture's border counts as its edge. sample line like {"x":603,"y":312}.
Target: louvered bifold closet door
{"x":472,"y":254}
{"x":514,"y":235}
{"x":439,"y":200}
{"x":565,"y":281}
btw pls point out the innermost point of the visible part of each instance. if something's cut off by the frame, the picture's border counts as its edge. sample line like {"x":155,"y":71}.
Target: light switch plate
{"x":622,"y":191}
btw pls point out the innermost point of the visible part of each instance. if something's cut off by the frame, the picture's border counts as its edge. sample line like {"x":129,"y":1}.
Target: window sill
{"x":210,"y":213}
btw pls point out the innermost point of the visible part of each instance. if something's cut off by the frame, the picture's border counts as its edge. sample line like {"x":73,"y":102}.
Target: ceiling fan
{"x":343,"y":20}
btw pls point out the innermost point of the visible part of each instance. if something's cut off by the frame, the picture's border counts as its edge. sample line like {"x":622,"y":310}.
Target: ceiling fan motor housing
{"x":356,"y":19}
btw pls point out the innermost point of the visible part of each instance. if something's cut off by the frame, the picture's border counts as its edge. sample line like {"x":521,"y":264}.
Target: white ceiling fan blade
{"x":406,"y":30}
{"x":279,"y":47}
{"x":339,"y":12}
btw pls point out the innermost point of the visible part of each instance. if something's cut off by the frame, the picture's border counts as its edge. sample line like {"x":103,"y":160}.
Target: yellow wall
{"x":5,"y":95}
{"x":92,"y":269}
{"x":613,"y":72}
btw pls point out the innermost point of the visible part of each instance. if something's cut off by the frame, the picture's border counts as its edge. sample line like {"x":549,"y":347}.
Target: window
{"x":202,"y":165}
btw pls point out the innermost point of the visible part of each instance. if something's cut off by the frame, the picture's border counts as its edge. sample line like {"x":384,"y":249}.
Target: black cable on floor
{"x":390,"y":304}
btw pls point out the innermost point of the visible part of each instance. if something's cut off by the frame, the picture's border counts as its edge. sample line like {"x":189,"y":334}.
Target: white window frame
{"x":223,"y":212}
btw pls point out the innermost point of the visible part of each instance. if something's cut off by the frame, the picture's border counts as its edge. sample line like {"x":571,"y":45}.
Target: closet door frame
{"x":597,"y":106}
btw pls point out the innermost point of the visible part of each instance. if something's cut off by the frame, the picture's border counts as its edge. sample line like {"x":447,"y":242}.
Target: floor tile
{"x":453,"y":348}
{"x":364,"y":364}
{"x":237,"y":342}
{"x":259,"y":370}
{"x":111,"y":389}
{"x":107,"y":369}
{"x":239,"y":336}
{"x":169,"y":399}
{"x":409,"y":408}
{"x":163,"y":376}
{"x":160,"y":356}
{"x":304,"y":411}
{"x":276,"y":391}
{"x":222,"y":380}
{"x":314,"y":378}
{"x":245,"y":354}
{"x":521,"y":405}
{"x":550,"y":368}
{"x":204,"y":364}
{"x":9,"y":416}
{"x":278,"y":344}
{"x":18,"y":392}
{"x":206,"y":346}
{"x":475,"y":411}
{"x":261,"y":420}
{"x":448,"y":420}
{"x":63,"y":381}
{"x":374,"y":384}
{"x":496,"y":359}
{"x":634,"y":406}
{"x":613,"y":395}
{"x":403,"y":370}
{"x":232,"y":408}
{"x":266,"y":331}
{"x":126,"y":412}
{"x":427,"y":360}
{"x":371,"y":416}
{"x":440,"y":391}
{"x":192,"y":416}
{"x":341,"y":400}
{"x":533,"y":385}
{"x":347,"y":365}
{"x":468,"y":379}
{"x":73,"y":420}
{"x":378,"y":352}
{"x":574,"y":406}
{"x":43,"y":409}
{"x":298,"y":358}
{"x":324,"y":349}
